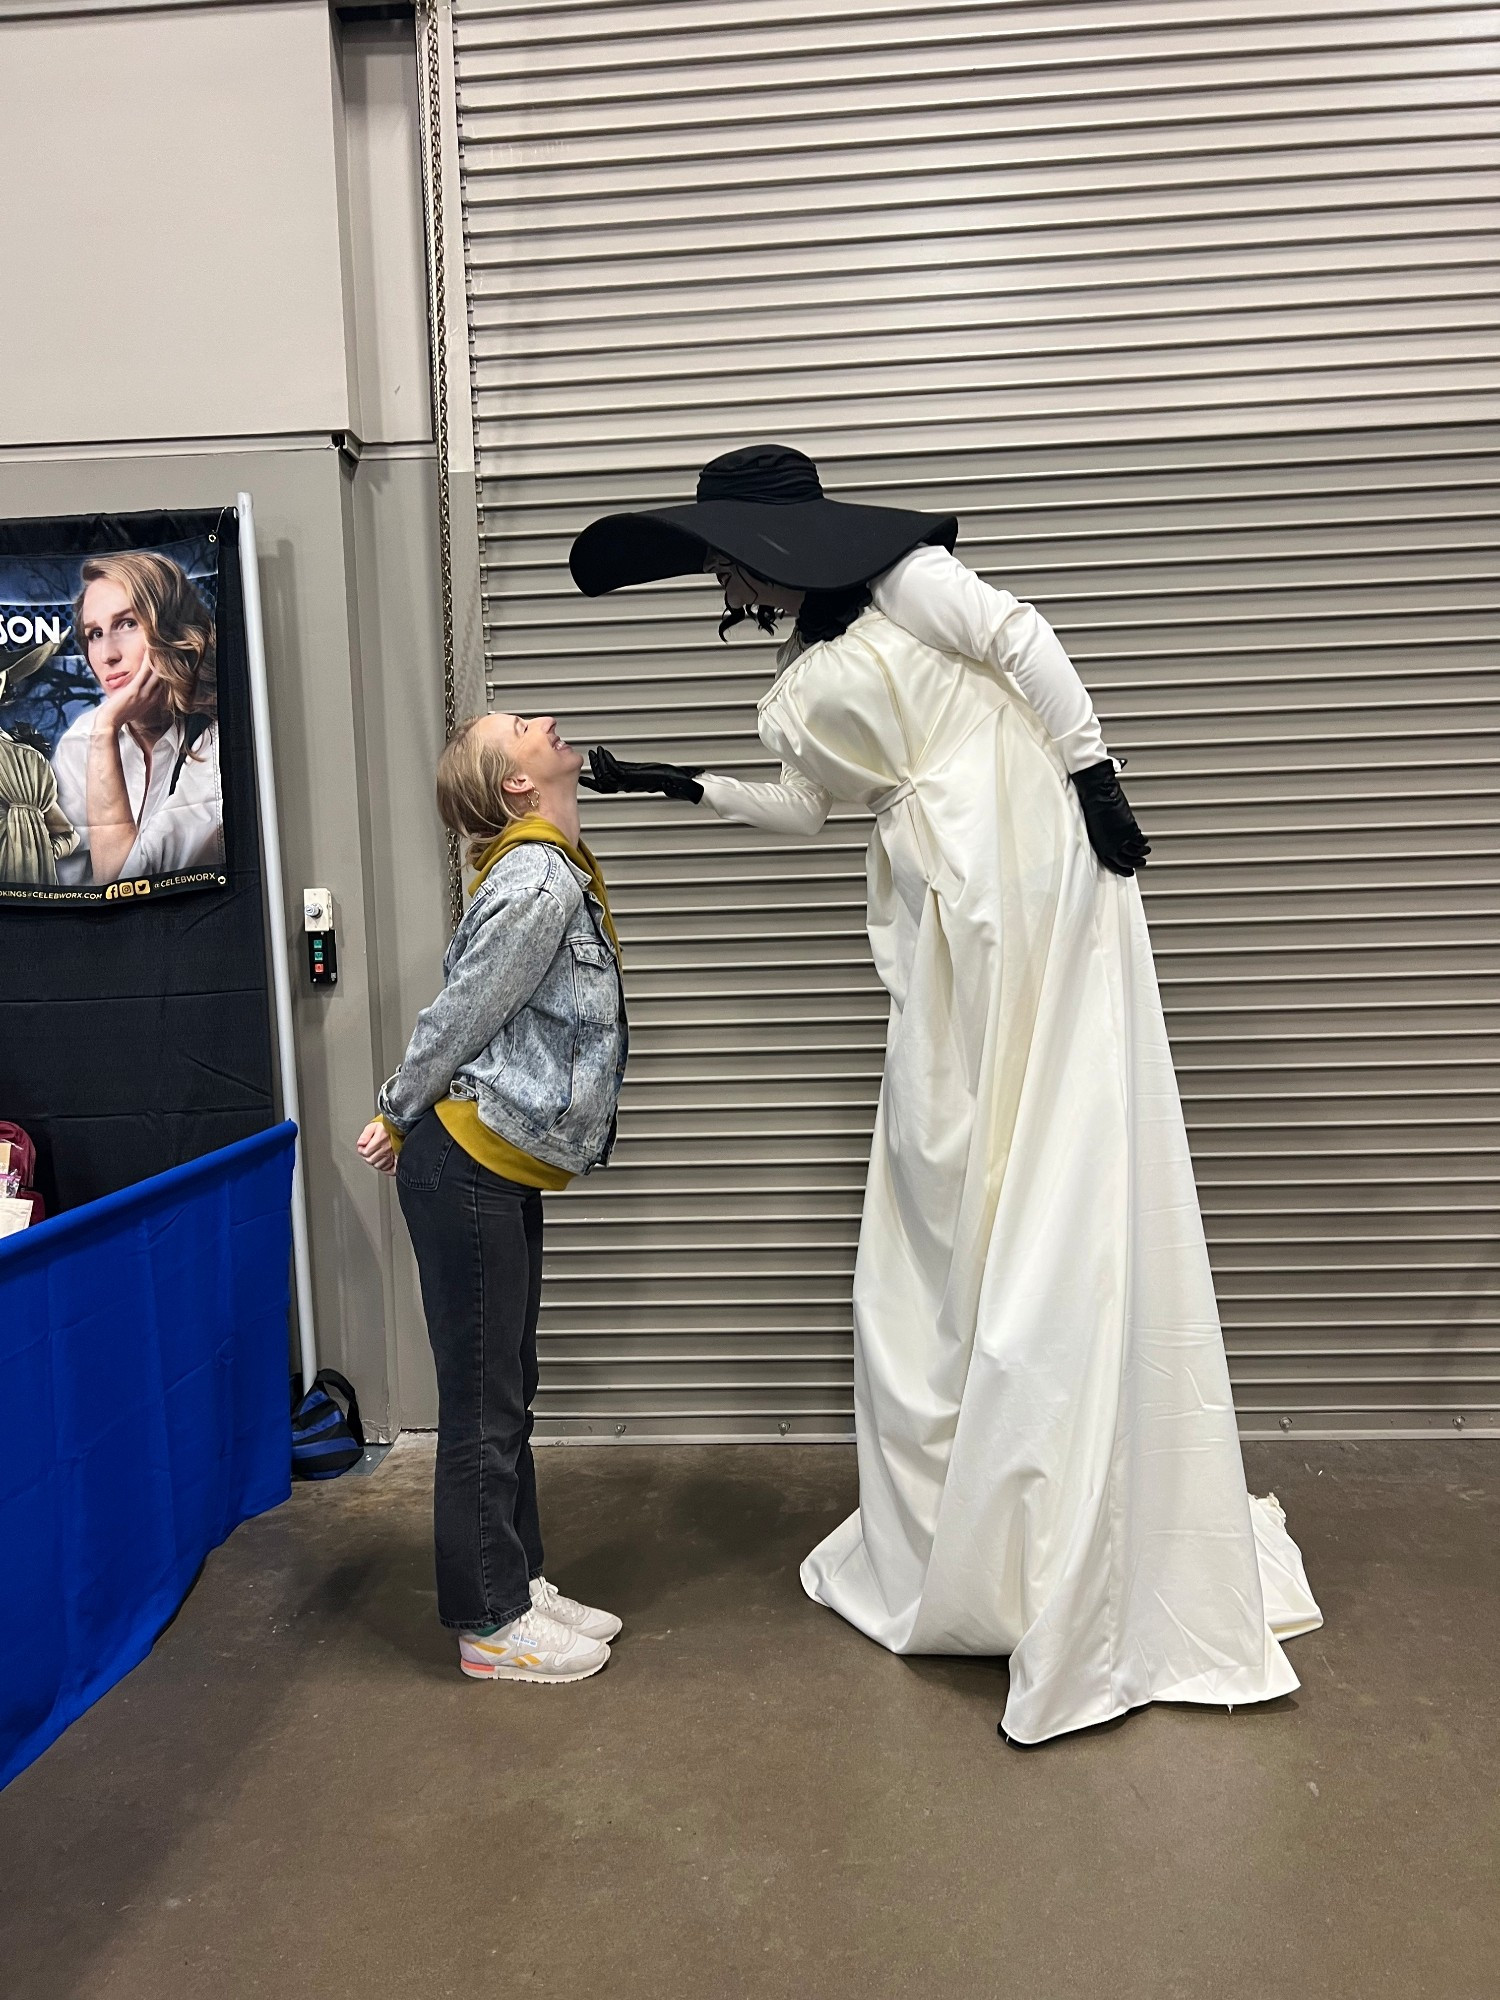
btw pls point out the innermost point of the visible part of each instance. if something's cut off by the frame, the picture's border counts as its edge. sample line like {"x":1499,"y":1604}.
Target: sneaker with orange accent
{"x":530,"y":1648}
{"x":584,"y":1618}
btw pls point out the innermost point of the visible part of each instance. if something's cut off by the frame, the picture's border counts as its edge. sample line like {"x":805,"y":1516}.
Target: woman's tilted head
{"x":501,"y":768}
{"x":136,"y":606}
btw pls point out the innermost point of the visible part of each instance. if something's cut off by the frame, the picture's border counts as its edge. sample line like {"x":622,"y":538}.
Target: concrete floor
{"x":298,"y":1794}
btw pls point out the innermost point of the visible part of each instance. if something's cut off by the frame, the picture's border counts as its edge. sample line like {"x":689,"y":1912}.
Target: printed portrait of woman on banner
{"x":110,"y":785}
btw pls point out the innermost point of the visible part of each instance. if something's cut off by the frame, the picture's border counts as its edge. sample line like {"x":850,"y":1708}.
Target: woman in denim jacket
{"x":509,"y":1086}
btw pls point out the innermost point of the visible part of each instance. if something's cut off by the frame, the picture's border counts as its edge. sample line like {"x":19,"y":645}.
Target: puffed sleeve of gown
{"x":940,"y":601}
{"x":835,"y":723}
{"x":835,"y":718}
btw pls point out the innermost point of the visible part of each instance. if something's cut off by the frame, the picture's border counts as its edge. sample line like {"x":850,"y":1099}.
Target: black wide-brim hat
{"x":764,"y":507}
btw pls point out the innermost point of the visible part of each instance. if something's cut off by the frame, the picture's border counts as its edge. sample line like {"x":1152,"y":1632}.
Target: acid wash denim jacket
{"x":531,"y":1019}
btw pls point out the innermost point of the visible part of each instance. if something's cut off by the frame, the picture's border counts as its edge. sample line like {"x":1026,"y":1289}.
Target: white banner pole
{"x":281,"y":977}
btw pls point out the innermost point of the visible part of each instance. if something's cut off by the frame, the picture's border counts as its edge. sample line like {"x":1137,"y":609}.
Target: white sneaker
{"x":531,"y":1648}
{"x":548,"y":1599}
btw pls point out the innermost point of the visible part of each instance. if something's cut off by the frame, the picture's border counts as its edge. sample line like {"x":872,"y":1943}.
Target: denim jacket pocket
{"x":596,"y":983}
{"x":535,"y":1083}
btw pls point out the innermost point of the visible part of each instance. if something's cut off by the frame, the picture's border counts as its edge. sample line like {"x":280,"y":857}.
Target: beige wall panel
{"x":170,"y":226}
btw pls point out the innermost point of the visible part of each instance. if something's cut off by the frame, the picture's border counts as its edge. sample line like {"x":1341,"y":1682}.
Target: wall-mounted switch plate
{"x":322,"y":943}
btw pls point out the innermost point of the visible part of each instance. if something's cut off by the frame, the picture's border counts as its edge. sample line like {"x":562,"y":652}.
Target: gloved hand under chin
{"x":1113,"y":833}
{"x":609,"y":774}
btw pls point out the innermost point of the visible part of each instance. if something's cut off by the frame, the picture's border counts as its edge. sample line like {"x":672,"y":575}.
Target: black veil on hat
{"x":764,"y":507}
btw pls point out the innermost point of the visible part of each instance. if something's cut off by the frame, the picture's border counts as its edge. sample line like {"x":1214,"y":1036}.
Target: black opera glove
{"x":610,"y":774}
{"x":1112,"y":829}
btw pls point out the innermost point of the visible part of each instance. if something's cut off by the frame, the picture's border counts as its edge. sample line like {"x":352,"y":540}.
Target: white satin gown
{"x":1049,"y":1466}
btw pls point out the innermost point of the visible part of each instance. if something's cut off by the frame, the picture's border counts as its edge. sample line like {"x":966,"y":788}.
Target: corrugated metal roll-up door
{"x":1189,"y":312}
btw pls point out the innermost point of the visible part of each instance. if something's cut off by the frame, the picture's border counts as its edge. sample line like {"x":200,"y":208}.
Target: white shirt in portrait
{"x":176,"y":828}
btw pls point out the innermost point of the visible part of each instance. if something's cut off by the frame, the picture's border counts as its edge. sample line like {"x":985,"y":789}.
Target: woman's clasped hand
{"x":376,"y":1147}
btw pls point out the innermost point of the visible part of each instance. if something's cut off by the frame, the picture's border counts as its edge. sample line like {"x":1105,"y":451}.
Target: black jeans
{"x":478,"y":1240}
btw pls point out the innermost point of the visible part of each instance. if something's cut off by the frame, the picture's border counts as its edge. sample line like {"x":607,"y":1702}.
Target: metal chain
{"x":437,"y":266}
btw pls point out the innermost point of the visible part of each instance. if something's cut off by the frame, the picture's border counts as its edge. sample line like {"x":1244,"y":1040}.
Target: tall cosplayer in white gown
{"x":1048,"y":1461}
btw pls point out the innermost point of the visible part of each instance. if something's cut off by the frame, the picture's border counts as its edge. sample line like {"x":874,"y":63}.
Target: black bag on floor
{"x":325,"y":1442}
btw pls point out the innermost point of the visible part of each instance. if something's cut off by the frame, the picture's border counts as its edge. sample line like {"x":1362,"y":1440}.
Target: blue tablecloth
{"x":143,"y":1398}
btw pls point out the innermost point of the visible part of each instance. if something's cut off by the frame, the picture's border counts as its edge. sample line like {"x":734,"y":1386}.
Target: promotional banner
{"x":111,"y":785}
{"x":134,"y":1019}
